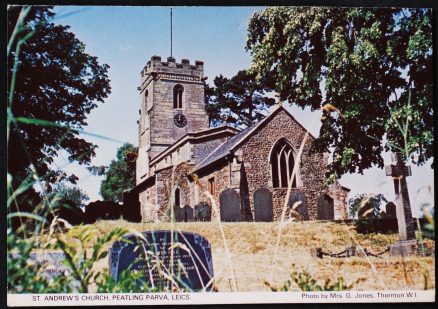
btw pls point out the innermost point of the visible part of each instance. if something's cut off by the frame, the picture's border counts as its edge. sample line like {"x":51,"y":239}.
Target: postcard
{"x":219,"y":155}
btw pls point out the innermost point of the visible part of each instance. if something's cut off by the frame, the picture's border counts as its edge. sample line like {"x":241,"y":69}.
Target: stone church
{"x":187,"y":171}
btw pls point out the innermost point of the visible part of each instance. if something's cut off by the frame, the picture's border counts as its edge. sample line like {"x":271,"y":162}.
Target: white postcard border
{"x":110,"y":299}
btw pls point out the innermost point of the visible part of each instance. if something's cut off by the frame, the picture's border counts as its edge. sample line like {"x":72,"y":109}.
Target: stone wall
{"x":167,"y":181}
{"x":222,"y":181}
{"x":148,"y":204}
{"x":163,"y":129}
{"x":177,"y":156}
{"x":255,"y":156}
{"x":193,"y":151}
{"x":155,"y":200}
{"x":279,"y":197}
{"x":339,"y":195}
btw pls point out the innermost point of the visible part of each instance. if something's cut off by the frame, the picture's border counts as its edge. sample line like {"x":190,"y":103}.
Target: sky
{"x":125,"y":38}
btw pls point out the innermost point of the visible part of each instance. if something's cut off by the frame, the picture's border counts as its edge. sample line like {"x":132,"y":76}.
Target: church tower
{"x":172,"y":105}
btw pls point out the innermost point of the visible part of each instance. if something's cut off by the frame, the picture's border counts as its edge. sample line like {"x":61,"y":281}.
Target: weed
{"x":305,"y":282}
{"x":256,"y":244}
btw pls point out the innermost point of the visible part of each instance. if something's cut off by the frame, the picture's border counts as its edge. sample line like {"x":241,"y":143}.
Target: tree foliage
{"x":62,"y":191}
{"x":366,"y":205}
{"x":239,"y":101}
{"x":359,"y":65}
{"x":120,"y":175}
{"x":56,"y":86}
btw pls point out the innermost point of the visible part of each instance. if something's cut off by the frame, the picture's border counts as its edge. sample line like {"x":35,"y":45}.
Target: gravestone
{"x":184,"y":214}
{"x":263,"y":205}
{"x":131,"y":206}
{"x":325,"y":208}
{"x":230,"y":206}
{"x":187,"y":260}
{"x":51,"y":265}
{"x":297,"y":196}
{"x":178,"y":214}
{"x":188,"y":213}
{"x":203,"y":212}
{"x":391,"y":210}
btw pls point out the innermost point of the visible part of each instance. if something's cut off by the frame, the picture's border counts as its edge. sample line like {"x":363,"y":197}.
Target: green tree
{"x":365,"y":205}
{"x":53,"y":85}
{"x":240,"y":101}
{"x":120,"y":174}
{"x":63,"y":191}
{"x":359,"y":65}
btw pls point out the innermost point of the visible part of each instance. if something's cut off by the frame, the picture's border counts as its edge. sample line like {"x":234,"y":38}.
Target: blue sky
{"x":126,"y":38}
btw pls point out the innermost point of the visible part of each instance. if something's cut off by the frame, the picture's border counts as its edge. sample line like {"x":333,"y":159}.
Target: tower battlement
{"x":194,"y":72}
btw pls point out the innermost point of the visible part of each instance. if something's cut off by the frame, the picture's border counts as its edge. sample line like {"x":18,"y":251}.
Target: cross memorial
{"x":406,"y":228}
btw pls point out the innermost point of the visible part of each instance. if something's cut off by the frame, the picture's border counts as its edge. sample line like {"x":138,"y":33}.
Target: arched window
{"x":178,"y":96}
{"x":282,"y":165}
{"x":177,"y":197}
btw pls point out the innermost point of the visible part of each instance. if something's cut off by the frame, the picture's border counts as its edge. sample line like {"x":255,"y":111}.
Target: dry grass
{"x":251,"y":247}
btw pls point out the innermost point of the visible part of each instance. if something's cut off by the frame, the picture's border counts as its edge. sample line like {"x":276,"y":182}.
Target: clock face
{"x":180,"y":120}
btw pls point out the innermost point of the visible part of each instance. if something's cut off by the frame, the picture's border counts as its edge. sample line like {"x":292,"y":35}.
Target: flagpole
{"x":171,"y":33}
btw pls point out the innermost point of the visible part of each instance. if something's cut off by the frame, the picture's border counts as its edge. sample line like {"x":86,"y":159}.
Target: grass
{"x":251,"y":247}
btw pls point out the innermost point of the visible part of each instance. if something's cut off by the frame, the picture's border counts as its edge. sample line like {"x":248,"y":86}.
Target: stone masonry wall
{"x":222,"y":181}
{"x":258,"y":170}
{"x":163,"y":187}
{"x":163,"y":129}
{"x":340,"y":198}
{"x":148,"y":202}
{"x":167,"y":181}
{"x":279,"y":196}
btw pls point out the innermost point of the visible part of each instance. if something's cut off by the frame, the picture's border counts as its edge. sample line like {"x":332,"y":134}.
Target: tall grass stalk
{"x":373,"y":267}
{"x":286,"y":199}
{"x":215,"y":208}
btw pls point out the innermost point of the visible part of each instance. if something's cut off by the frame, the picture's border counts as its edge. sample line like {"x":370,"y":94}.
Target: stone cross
{"x":399,"y":172}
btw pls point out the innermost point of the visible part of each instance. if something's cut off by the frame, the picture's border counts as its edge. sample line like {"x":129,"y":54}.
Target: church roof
{"x":224,"y":148}
{"x":232,"y":143}
{"x":225,"y":129}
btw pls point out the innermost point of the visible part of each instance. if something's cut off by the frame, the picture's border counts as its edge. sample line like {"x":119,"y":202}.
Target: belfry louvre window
{"x":178,"y":96}
{"x":282,"y":165}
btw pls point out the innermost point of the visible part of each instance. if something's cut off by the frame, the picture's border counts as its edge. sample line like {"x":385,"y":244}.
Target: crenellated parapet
{"x":156,"y":69}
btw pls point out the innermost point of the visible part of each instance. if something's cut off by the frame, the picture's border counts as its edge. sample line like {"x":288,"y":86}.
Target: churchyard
{"x":246,"y":257}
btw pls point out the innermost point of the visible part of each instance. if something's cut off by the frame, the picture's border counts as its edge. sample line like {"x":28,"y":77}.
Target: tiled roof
{"x":191,"y":136}
{"x":230,"y":144}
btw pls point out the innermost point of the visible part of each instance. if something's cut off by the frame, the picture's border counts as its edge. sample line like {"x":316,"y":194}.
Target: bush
{"x":384,"y":226}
